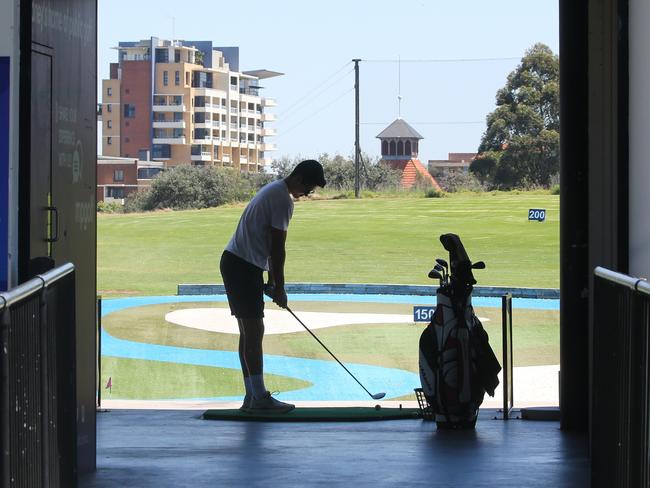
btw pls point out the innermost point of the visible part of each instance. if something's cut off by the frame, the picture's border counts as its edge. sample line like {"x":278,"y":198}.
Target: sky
{"x":446,"y":60}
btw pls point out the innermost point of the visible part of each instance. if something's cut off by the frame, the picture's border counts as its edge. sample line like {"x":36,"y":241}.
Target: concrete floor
{"x":171,"y":448}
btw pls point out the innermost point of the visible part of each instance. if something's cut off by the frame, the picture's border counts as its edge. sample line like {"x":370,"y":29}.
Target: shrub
{"x":555,"y":189}
{"x":433,"y":193}
{"x":109,"y":207}
{"x":138,"y":202}
{"x":455,"y":181}
{"x":186,"y":187}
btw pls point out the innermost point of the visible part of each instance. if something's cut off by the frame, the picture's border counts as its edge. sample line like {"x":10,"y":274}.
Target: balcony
{"x":269,"y":102}
{"x":204,"y":156}
{"x":269,"y":132}
{"x":169,"y":140}
{"x":266,"y":161}
{"x":268,"y":147}
{"x":168,"y":108}
{"x":266,"y":117}
{"x":180,"y":124}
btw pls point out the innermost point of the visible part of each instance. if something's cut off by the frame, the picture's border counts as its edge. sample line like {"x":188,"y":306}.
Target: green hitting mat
{"x":318,"y":414}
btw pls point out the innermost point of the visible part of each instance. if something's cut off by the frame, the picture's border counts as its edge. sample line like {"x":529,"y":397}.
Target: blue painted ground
{"x":329,"y":381}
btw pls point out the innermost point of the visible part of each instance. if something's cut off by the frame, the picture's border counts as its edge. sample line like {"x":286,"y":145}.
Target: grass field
{"x":535,"y":336}
{"x":379,"y":240}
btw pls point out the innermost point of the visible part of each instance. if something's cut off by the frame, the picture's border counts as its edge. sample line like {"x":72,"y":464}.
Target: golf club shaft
{"x":331,"y":353}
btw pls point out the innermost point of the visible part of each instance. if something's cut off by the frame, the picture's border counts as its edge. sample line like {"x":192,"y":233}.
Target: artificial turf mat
{"x":318,"y":414}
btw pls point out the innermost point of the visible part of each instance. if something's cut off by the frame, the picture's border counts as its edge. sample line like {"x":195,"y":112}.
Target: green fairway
{"x":381,"y":240}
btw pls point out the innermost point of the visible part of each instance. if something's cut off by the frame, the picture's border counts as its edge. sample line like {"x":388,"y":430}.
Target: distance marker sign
{"x":538,"y":214}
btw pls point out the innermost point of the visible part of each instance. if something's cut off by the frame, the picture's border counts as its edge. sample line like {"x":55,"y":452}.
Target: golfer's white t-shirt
{"x":272,"y":206}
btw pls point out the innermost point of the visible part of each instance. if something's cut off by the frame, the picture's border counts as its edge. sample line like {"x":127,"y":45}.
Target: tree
{"x":520,"y":146}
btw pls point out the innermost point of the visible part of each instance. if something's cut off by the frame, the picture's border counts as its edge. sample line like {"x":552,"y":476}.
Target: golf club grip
{"x":330,"y":352}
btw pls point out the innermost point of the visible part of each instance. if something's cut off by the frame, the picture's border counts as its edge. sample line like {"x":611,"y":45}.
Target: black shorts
{"x":244,"y":283}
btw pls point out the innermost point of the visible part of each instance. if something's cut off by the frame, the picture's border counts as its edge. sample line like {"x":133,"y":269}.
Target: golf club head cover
{"x":460,"y":267}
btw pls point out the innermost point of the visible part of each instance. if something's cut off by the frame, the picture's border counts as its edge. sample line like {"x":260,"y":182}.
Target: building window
{"x":109,"y":124}
{"x":109,"y":108}
{"x":112,"y":192}
{"x":187,"y":77}
{"x":118,"y":175}
{"x":109,"y":92}
{"x":165,"y":78}
{"x":177,"y":55}
{"x":129,"y":111}
{"x":162,"y":55}
{"x":177,"y":78}
{"x":109,"y":141}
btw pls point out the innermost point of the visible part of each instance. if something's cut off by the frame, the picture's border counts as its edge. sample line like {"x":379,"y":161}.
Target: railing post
{"x":5,"y":321}
{"x":99,"y":351}
{"x":45,"y":393}
{"x":506,"y":334}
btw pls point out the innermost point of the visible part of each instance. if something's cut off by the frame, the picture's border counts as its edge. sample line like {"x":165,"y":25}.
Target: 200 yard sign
{"x":538,"y":214}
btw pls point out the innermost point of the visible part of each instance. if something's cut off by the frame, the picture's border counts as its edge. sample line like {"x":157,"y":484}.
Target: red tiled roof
{"x":410,"y":168}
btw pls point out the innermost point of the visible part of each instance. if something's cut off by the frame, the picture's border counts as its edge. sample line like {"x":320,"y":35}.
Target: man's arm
{"x":278,"y":254}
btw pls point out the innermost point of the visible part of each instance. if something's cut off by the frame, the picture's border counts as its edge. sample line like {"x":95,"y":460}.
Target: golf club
{"x":443,"y":263}
{"x":434,"y":274}
{"x":375,"y":396}
{"x":268,"y":290}
{"x":441,"y":270}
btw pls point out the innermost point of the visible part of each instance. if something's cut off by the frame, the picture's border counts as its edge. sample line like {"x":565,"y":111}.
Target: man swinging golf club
{"x":258,"y":245}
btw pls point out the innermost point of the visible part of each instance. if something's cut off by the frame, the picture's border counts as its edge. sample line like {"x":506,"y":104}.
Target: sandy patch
{"x":280,"y":321}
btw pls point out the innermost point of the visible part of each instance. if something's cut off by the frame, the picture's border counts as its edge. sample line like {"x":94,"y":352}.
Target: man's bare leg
{"x":252,"y":359}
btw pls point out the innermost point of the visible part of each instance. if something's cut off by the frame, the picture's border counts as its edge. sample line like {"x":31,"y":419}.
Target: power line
{"x":449,"y":122}
{"x":450,"y":60}
{"x":310,"y":93}
{"x":328,"y":105}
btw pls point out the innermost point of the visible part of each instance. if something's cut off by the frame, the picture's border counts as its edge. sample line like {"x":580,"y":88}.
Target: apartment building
{"x":186,"y":102}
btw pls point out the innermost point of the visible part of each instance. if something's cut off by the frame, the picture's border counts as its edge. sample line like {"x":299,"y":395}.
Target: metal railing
{"x":507,"y":359}
{"x":38,"y":382}
{"x":620,"y":381}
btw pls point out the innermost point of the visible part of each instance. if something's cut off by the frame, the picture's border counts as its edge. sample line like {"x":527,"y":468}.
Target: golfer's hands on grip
{"x":277,"y":294}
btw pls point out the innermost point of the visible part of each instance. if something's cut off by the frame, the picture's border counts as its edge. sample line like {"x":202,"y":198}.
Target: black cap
{"x":311,"y":172}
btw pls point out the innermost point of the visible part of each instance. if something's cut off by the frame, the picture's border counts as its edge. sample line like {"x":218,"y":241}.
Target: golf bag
{"x":457,"y":364}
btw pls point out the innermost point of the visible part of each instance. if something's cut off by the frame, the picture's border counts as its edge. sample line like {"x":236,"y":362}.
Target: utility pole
{"x":357,"y":150}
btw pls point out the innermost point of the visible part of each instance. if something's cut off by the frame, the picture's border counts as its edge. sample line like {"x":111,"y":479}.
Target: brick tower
{"x":399,"y":150}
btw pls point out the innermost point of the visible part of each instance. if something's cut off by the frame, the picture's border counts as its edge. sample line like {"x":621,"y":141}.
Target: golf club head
{"x":442,"y":263}
{"x":439,"y":268}
{"x":435,"y":274}
{"x":478,"y":265}
{"x":378,"y":396}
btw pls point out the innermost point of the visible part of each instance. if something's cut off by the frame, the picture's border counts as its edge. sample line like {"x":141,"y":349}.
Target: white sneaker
{"x":268,"y":404}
